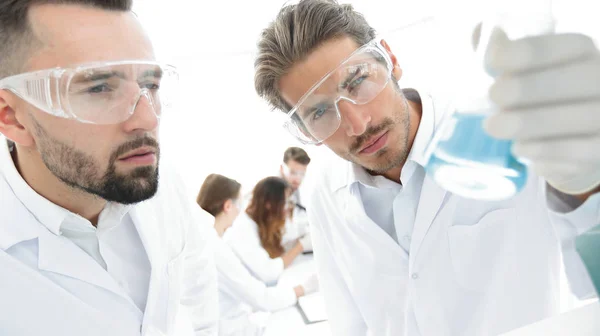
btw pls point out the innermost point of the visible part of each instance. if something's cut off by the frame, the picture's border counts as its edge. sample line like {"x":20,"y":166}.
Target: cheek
{"x":382,"y":106}
{"x":339,"y":142}
{"x":96,"y":142}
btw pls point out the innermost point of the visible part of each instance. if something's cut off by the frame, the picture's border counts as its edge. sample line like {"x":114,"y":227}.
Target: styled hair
{"x":267,"y":209}
{"x":296,"y":32}
{"x":215,"y":191}
{"x":296,"y":154}
{"x":16,"y":36}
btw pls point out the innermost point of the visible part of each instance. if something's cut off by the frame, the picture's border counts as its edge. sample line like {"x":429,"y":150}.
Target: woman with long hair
{"x":238,"y":289}
{"x":256,"y":234}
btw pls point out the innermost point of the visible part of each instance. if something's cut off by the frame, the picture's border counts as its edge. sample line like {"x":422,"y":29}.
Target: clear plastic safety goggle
{"x":97,"y":93}
{"x":357,"y":80}
{"x":292,"y":173}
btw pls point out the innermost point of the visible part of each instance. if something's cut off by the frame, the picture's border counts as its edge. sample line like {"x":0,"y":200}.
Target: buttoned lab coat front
{"x":49,"y":286}
{"x":473,"y":267}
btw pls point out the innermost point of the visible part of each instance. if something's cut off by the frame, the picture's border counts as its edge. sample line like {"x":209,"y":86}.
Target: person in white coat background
{"x":293,"y":169}
{"x":239,"y":291}
{"x":256,"y":234}
{"x":396,"y":254}
{"x":91,"y":242}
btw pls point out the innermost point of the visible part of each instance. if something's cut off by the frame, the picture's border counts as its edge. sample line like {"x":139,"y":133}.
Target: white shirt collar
{"x":52,"y":216}
{"x":356,"y":173}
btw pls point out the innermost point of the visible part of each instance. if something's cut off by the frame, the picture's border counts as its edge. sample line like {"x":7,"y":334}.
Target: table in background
{"x":289,"y":321}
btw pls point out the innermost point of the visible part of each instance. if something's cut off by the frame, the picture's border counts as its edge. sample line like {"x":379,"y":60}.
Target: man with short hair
{"x":396,"y":254}
{"x":293,"y":170}
{"x":90,"y":242}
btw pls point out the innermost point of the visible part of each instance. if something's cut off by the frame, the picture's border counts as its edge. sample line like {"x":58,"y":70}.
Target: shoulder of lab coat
{"x":237,"y":282}
{"x":571,"y":219}
{"x":175,"y":231}
{"x":199,"y":293}
{"x":342,"y":312}
{"x":243,"y":239}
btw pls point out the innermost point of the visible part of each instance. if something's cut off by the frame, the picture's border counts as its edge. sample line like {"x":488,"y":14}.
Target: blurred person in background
{"x":239,"y":291}
{"x":293,"y":170}
{"x":256,"y":234}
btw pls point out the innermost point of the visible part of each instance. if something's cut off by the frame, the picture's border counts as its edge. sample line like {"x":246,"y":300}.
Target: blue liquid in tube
{"x":465,"y":160}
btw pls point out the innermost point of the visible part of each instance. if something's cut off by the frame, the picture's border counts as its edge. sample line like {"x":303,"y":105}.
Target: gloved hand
{"x":310,"y":284}
{"x":547,"y":89}
{"x":306,"y":243}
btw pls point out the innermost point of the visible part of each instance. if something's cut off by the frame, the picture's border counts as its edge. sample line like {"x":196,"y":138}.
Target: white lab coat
{"x":240,"y":293}
{"x":244,"y":240}
{"x":49,"y":286}
{"x":474,"y":268}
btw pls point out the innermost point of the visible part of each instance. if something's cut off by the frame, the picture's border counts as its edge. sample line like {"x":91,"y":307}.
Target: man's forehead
{"x":74,"y":34}
{"x":295,"y":165}
{"x":303,"y":75}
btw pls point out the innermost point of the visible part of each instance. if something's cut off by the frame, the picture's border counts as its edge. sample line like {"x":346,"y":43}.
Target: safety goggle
{"x":97,"y":93}
{"x":292,"y":173}
{"x":357,"y":80}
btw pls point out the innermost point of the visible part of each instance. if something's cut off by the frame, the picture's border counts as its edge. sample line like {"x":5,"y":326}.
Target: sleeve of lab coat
{"x":200,"y":293}
{"x":246,"y":244}
{"x":237,"y":281}
{"x":342,"y":312}
{"x":571,"y":219}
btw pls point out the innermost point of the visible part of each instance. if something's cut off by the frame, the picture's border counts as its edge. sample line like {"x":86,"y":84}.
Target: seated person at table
{"x":239,"y":291}
{"x":256,"y":234}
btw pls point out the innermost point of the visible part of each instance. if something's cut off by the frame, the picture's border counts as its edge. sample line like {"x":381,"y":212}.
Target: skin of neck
{"x":222,"y":223}
{"x":33,"y":170}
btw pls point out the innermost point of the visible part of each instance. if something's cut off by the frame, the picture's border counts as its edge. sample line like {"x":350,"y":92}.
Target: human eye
{"x":355,"y":84}
{"x":99,"y":88}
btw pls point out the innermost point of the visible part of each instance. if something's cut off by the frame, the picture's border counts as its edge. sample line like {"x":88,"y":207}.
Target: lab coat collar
{"x":46,"y":212}
{"x":55,"y":253}
{"x":59,"y":255}
{"x":50,"y":215}
{"x":350,"y":173}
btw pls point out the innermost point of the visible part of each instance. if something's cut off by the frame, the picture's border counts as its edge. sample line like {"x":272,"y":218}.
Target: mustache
{"x":387,"y":123}
{"x":135,"y":144}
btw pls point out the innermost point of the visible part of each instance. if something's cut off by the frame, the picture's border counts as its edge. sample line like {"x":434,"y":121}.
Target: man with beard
{"x":90,"y":242}
{"x":396,"y":254}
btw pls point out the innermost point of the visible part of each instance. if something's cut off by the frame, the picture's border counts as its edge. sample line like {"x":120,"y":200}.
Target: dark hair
{"x":297,"y":31}
{"x":296,"y":154}
{"x":16,"y":36}
{"x":267,"y":209}
{"x":215,"y":191}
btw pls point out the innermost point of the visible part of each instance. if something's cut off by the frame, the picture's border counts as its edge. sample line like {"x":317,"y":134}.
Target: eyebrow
{"x":103,"y":75}
{"x":98,"y":76}
{"x":350,"y":77}
{"x":156,"y":73}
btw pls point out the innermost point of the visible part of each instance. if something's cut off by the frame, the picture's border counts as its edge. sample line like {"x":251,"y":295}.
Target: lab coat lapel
{"x":383,"y":247}
{"x":147,"y":225}
{"x":374,"y":266}
{"x":146,"y":221}
{"x":430,"y":203}
{"x":59,"y":255}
